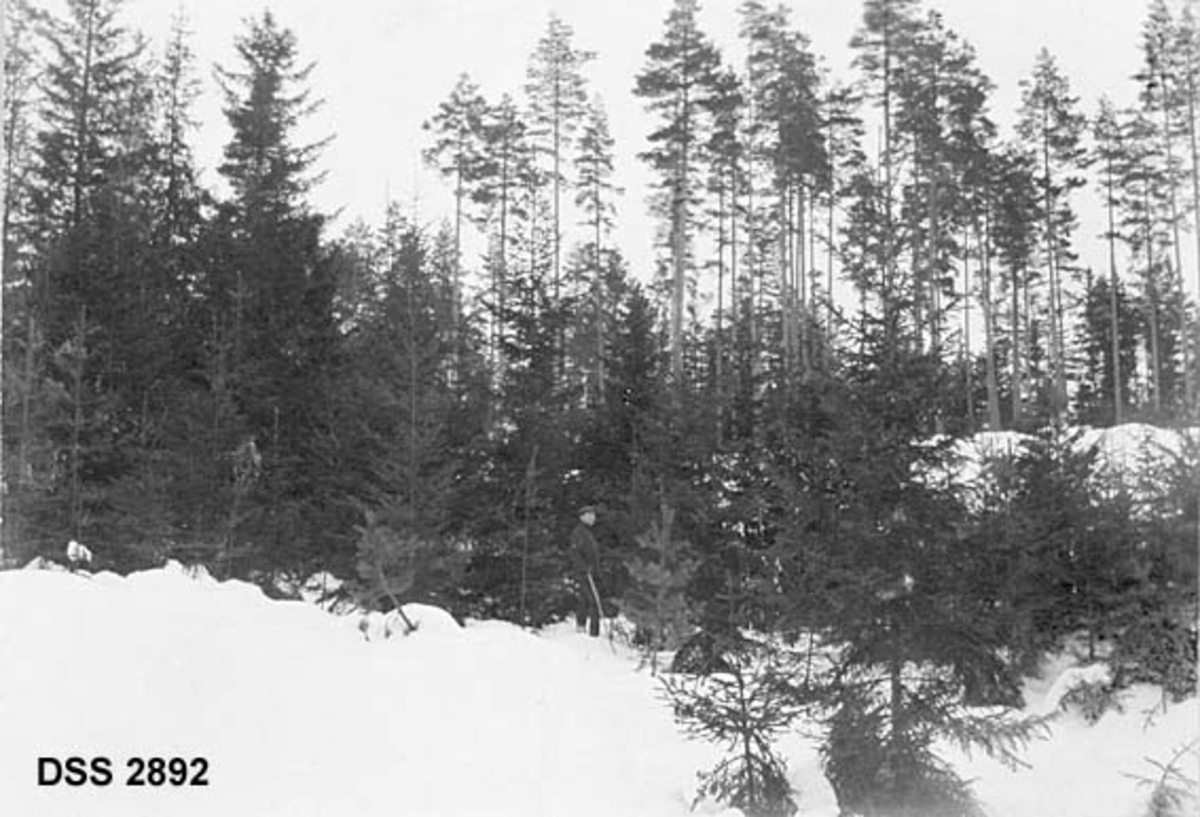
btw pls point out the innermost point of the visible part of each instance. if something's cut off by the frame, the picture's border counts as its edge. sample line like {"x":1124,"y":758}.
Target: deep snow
{"x":1132,"y":450}
{"x":299,"y":714}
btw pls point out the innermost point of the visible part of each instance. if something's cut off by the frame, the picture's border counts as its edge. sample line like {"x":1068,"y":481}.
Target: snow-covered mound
{"x":1134,"y":445}
{"x":297,"y":713}
{"x":300,"y":712}
{"x":1100,"y":769}
{"x":1131,"y":451}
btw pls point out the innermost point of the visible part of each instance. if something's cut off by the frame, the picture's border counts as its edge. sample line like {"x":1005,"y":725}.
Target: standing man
{"x":585,"y":563}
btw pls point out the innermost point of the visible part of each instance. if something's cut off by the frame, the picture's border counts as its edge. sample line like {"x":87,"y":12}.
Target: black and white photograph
{"x":634,"y":408}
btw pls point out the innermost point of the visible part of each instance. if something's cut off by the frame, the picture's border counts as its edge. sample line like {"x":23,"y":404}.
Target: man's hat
{"x":588,"y":509}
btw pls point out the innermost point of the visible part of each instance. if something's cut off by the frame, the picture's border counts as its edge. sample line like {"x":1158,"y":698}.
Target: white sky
{"x":384,"y":65}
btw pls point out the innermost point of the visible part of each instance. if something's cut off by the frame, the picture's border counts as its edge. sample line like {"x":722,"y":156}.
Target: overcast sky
{"x":384,"y":65}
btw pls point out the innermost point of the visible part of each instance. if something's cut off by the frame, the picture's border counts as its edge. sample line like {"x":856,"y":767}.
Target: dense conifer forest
{"x":221,"y":379}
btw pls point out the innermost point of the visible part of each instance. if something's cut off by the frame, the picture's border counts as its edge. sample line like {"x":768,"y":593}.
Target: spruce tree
{"x":166,"y":333}
{"x":1060,"y":555}
{"x":875,"y":559}
{"x":20,"y":271}
{"x":517,"y":570}
{"x":177,"y":90}
{"x":401,"y":400}
{"x":659,"y":576}
{"x":1108,"y":341}
{"x":89,"y":234}
{"x":280,"y":295}
{"x":1157,"y":640}
{"x":90,"y":78}
{"x":20,"y":71}
{"x":743,"y":706}
{"x":623,"y":426}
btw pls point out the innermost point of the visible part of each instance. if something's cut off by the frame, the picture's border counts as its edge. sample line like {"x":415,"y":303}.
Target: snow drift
{"x":298,"y":713}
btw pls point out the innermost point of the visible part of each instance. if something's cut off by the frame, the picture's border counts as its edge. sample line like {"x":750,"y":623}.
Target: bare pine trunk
{"x":1152,"y":306}
{"x":1114,"y":318}
{"x":1018,"y":383}
{"x":1190,"y":380}
{"x":458,"y":216}
{"x":993,"y":391}
{"x":967,"y":333}
{"x":1058,"y":380}
{"x":679,"y":284}
{"x":802,"y":312}
{"x":718,"y":363}
{"x":889,"y":261}
{"x":1168,"y":145}
{"x":80,"y":356}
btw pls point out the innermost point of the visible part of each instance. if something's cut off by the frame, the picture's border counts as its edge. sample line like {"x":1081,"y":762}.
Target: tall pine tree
{"x":679,"y":72}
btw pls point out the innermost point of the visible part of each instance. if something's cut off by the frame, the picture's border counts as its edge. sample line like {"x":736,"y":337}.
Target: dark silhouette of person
{"x":585,"y":567}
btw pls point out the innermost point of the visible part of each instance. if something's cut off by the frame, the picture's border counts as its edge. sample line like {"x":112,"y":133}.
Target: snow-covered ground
{"x":1130,"y":449}
{"x":1133,"y":453}
{"x":298,"y":713}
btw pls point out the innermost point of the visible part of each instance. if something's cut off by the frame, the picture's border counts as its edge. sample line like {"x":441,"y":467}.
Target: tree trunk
{"x":718,"y":363}
{"x":1190,"y":380}
{"x":754,"y":263}
{"x":889,"y":260}
{"x":458,"y":216}
{"x":810,"y":313}
{"x":83,"y":120}
{"x":967,"y":379}
{"x":75,"y":514}
{"x":993,"y":391}
{"x":679,"y":281}
{"x":501,"y":285}
{"x":800,"y":314}
{"x":1018,"y":385}
{"x":1168,"y":146}
{"x":1058,"y":377}
{"x":785,"y":300}
{"x":1114,"y":317}
{"x":557,"y":189}
{"x":830,"y":231}
{"x":1152,"y":304}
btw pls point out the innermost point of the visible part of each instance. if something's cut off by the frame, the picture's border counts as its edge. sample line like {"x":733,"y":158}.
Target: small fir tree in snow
{"x":878,"y":769}
{"x":1157,"y":642}
{"x":1173,"y":792}
{"x":881,"y":565}
{"x":744,"y":707}
{"x":395,"y":566}
{"x":656,"y":601}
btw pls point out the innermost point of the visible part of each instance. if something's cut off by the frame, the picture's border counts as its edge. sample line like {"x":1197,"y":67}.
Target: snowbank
{"x":1131,"y":451}
{"x":298,"y":714}
{"x":1090,"y":770}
